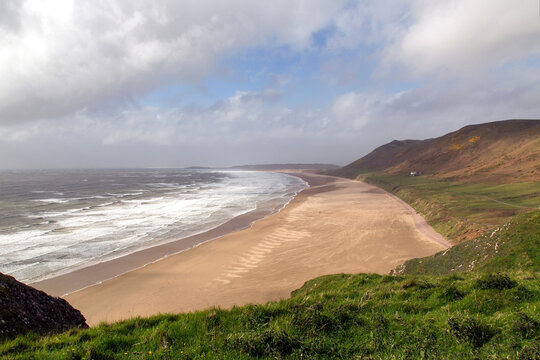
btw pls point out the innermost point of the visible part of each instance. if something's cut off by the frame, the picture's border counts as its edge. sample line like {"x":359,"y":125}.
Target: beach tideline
{"x":335,"y":226}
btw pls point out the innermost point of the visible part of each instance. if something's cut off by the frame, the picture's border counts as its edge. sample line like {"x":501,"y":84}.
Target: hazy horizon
{"x":188,"y":167}
{"x":166,"y":84}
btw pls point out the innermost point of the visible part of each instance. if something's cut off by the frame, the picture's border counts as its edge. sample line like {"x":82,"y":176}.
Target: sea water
{"x":56,"y":221}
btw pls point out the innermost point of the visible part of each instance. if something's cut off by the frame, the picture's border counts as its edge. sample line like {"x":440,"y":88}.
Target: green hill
{"x":513,"y":247}
{"x":458,"y":210}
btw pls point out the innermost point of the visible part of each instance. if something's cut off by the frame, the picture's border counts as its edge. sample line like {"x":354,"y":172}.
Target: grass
{"x":332,"y":317}
{"x":514,"y":247}
{"x":460,"y":211}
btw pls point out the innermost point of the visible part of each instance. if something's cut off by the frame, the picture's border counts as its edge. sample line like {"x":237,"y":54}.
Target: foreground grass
{"x":338,"y":316}
{"x":460,"y":211}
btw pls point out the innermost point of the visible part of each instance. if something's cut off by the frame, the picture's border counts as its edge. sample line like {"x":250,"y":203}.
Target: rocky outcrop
{"x":24,"y":309}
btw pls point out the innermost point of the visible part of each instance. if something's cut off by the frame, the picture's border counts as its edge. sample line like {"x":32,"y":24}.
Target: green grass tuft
{"x":496,"y":281}
{"x":471,"y":330}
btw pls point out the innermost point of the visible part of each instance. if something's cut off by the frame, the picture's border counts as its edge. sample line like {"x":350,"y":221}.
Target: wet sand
{"x":335,"y":226}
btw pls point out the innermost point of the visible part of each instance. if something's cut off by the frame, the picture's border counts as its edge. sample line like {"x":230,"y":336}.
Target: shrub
{"x":266,"y":343}
{"x":453,"y":293}
{"x":470,"y":330}
{"x":409,"y":283}
{"x":496,"y":281}
{"x":312,"y":319}
{"x":529,"y":353}
{"x":527,"y":327}
{"x":380,"y":323}
{"x":421,"y":284}
{"x":213,"y":320}
{"x":258,"y":316}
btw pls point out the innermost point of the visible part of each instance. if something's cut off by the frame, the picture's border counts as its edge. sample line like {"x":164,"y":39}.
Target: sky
{"x":167,"y":83}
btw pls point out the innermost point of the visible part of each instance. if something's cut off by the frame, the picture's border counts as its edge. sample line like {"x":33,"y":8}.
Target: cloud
{"x":418,"y":38}
{"x":238,"y":119}
{"x":354,"y":109}
{"x":249,"y":128}
{"x":61,"y":56}
{"x":463,"y":36}
{"x":366,"y":22}
{"x":9,"y":15}
{"x":75,"y":75}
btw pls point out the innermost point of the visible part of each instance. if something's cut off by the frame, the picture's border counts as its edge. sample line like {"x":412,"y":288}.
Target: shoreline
{"x":420,"y":223}
{"x":334,"y":226}
{"x":95,"y":274}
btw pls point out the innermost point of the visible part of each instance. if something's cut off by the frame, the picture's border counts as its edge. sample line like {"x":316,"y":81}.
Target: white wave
{"x":79,"y":237}
{"x":106,"y":204}
{"x":165,"y":185}
{"x":121,"y":195}
{"x":54,"y":201}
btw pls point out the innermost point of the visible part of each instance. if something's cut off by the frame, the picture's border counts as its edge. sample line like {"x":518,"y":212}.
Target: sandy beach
{"x":335,"y":226}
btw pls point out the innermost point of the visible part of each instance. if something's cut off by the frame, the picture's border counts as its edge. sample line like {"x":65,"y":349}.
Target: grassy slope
{"x":337,"y":316}
{"x":514,"y":247}
{"x":496,"y":227}
{"x":460,"y":211}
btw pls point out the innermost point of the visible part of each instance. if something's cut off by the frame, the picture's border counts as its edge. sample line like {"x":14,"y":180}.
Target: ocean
{"x":56,"y":221}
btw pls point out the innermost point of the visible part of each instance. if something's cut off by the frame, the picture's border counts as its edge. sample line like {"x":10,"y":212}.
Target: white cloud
{"x":241,"y":118}
{"x":462,"y":36}
{"x":354,"y":109}
{"x":70,"y":72}
{"x":366,"y":22}
{"x":65,"y":55}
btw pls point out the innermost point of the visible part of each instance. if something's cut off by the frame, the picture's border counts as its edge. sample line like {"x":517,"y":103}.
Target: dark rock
{"x":24,"y":309}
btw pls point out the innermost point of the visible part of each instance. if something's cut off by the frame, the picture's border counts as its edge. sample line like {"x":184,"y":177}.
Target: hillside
{"x":501,"y":151}
{"x":460,"y":211}
{"x":468,"y":182}
{"x":514,"y":246}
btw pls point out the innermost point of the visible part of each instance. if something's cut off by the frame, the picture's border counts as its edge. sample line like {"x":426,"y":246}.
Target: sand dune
{"x":334,"y":226}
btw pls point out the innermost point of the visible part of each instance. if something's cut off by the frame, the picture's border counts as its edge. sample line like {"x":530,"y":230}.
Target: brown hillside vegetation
{"x":502,"y":151}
